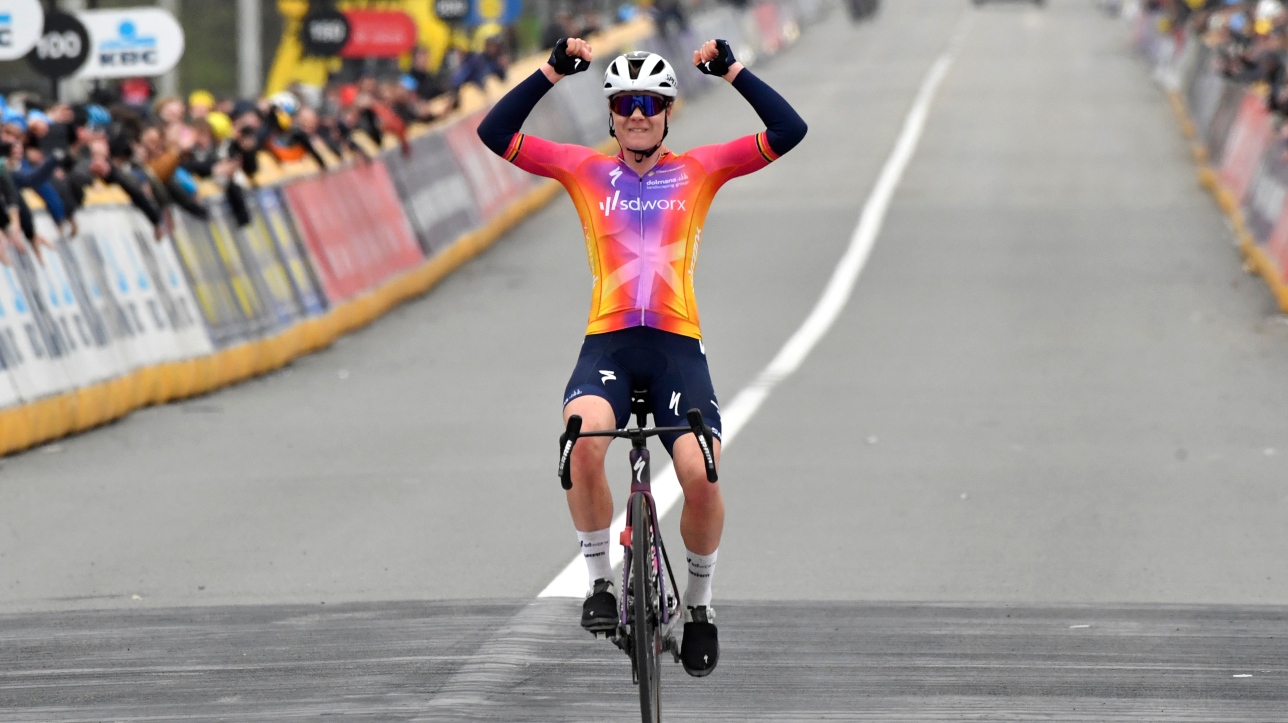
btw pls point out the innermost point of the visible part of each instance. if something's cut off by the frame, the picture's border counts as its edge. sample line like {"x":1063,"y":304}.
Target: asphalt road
{"x":1054,"y":400}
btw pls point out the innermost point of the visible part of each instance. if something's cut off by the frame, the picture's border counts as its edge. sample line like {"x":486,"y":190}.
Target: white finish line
{"x":571,"y":582}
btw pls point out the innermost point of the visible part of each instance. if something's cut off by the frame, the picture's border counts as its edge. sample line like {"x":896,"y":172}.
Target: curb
{"x":1254,"y":258}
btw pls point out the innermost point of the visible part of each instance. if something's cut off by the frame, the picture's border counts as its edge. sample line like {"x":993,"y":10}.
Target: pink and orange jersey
{"x":642,"y":234}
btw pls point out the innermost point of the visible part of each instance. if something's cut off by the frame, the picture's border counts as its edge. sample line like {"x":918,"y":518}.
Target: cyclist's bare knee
{"x":691,"y":469}
{"x":596,"y":413}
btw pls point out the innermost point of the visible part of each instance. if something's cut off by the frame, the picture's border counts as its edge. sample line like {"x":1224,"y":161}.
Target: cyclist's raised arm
{"x":500,"y":129}
{"x":784,"y":128}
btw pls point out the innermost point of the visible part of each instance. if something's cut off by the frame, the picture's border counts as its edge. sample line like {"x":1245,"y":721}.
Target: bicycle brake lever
{"x":703,"y":434}
{"x":566,"y":441}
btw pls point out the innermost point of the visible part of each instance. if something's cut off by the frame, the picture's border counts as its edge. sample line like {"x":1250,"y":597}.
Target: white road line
{"x":571,"y":582}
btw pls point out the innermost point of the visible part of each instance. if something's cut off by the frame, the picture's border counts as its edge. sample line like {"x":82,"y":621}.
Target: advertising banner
{"x":131,"y":43}
{"x":438,"y":200}
{"x":51,"y":314}
{"x":256,"y":244}
{"x":1205,"y":95}
{"x":1263,"y":205}
{"x":1226,"y":111}
{"x":1249,"y":135}
{"x":149,"y":336}
{"x":324,"y":32}
{"x":290,"y":250}
{"x":765,"y":15}
{"x":109,"y":359}
{"x":90,"y":357}
{"x":500,"y":12}
{"x":33,"y":367}
{"x":247,"y":287}
{"x":8,"y":393}
{"x":496,"y":183}
{"x":63,"y":46}
{"x":172,"y":287}
{"x":106,"y":318}
{"x":211,"y":288}
{"x":21,"y":23}
{"x":378,"y":34}
{"x":354,"y":228}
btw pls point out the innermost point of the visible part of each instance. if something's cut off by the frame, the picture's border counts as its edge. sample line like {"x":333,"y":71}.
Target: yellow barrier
{"x":1254,"y":258}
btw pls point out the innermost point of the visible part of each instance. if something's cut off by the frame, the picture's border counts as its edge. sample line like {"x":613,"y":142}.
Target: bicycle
{"x":647,"y":607}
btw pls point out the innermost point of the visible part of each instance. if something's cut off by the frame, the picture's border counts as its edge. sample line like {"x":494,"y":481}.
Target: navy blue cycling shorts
{"x":672,"y":367}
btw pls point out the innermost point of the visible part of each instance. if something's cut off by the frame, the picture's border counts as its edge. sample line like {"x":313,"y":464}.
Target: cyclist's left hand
{"x":715,"y":57}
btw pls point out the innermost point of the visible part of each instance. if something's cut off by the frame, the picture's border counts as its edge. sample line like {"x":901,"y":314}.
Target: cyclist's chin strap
{"x":641,"y":155}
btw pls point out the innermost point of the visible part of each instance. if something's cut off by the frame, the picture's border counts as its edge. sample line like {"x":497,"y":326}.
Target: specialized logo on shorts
{"x":615,"y":202}
{"x":609,"y":376}
{"x":675,"y":403}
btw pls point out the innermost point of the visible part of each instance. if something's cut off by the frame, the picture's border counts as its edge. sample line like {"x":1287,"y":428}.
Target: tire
{"x":647,"y":637}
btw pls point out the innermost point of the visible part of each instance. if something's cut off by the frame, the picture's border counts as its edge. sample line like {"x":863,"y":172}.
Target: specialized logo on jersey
{"x":615,"y":202}
{"x":615,"y":174}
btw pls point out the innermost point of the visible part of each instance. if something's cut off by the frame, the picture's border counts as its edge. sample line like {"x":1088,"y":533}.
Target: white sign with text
{"x":137,"y":42}
{"x":21,"y":22}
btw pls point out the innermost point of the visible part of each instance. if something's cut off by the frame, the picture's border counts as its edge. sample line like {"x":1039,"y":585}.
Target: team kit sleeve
{"x":784,"y":129}
{"x":500,"y":131}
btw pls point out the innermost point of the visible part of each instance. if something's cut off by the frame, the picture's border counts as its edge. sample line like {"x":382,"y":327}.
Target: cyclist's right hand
{"x":571,"y":55}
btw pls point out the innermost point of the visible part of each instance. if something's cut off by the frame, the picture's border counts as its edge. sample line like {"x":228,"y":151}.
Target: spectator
{"x":200,"y":104}
{"x":428,"y":84}
{"x":477,"y":67}
{"x":564,"y":26}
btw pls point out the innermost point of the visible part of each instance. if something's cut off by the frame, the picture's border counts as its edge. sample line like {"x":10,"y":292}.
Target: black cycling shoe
{"x":700,"y":650}
{"x":599,"y":612}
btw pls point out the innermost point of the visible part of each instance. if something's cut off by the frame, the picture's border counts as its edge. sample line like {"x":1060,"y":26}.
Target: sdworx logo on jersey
{"x":615,"y":202}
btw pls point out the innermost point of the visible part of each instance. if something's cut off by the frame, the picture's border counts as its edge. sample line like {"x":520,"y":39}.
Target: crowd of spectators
{"x":1248,"y":36}
{"x":162,"y":151}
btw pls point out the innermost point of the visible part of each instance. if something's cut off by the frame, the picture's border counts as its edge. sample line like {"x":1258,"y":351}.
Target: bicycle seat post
{"x":639,"y":407}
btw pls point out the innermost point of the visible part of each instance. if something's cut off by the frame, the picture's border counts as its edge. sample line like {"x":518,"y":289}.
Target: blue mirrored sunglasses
{"x":625,"y":105}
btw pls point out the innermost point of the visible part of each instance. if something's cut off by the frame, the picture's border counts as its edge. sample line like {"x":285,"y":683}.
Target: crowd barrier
{"x":114,"y":319}
{"x":1242,"y":160}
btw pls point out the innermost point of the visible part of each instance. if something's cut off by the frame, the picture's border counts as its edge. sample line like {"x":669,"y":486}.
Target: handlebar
{"x":697,"y":427}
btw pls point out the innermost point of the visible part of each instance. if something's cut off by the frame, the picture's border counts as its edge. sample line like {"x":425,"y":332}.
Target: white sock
{"x":594,"y":547}
{"x":701,"y":570}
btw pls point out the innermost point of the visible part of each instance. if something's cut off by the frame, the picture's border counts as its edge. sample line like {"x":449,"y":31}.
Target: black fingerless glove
{"x":563,"y":63}
{"x":721,"y":63}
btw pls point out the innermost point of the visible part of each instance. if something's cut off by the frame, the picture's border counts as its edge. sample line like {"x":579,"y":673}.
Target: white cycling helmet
{"x":286,"y":101}
{"x":640,"y":72}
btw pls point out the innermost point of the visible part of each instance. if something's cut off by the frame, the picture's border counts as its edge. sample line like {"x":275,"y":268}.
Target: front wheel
{"x":648,"y":638}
